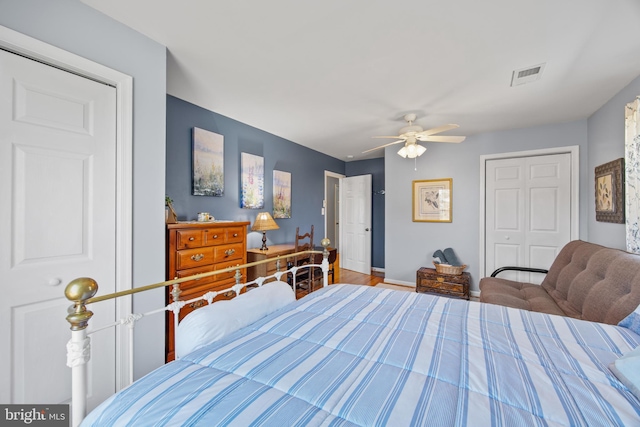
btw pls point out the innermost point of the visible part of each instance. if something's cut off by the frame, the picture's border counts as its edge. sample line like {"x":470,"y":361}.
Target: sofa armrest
{"x":528,"y":269}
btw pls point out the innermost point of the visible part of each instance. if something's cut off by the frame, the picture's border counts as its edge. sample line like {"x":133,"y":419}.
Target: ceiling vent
{"x":527,"y":75}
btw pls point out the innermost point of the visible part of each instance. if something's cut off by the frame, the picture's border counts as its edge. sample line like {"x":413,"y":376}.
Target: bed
{"x":350,"y":355}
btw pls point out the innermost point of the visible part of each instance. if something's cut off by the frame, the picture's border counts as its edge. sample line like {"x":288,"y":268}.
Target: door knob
{"x":366,"y":229}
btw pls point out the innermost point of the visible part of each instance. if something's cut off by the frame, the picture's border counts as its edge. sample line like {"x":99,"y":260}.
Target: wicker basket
{"x":450,"y":269}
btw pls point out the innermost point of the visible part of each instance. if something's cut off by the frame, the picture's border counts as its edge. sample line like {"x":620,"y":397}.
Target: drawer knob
{"x":235,"y":234}
{"x":229,"y":252}
{"x":440,"y":279}
{"x":197,"y":257}
{"x":215,"y":236}
{"x":192,"y":239}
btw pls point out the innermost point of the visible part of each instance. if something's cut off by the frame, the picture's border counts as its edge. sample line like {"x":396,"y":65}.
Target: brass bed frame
{"x":82,"y":292}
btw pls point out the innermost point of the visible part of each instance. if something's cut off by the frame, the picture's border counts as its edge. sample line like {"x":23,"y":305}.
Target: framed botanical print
{"x":432,"y":200}
{"x":609,"y":194}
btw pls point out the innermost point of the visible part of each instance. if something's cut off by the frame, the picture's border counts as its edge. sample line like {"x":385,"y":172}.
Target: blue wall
{"x":374,"y":167}
{"x":305,"y":165}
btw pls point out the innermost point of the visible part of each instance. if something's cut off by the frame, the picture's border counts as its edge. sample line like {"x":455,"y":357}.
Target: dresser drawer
{"x":196,"y":282}
{"x":228,"y":252}
{"x":191,"y":258}
{"x":215,"y":236}
{"x":230,"y":274}
{"x":235,"y":235}
{"x":189,"y":239}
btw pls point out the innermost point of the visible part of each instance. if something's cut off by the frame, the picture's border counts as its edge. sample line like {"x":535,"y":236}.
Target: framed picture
{"x":432,"y":200}
{"x":610,"y":192}
{"x":208,"y":163}
{"x":252,"y":179}
{"x":281,"y":194}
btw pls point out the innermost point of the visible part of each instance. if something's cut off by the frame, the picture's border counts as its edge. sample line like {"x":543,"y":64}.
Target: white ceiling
{"x":331,"y":74}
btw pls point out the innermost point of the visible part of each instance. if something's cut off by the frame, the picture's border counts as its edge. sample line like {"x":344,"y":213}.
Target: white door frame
{"x":328,"y":174}
{"x":24,"y":45}
{"x":573,"y":150}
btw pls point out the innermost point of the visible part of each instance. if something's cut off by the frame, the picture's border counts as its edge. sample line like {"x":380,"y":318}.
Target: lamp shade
{"x":264,"y":222}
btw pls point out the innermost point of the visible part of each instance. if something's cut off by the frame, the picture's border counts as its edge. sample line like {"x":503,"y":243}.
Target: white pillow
{"x":627,"y":370}
{"x":215,"y":321}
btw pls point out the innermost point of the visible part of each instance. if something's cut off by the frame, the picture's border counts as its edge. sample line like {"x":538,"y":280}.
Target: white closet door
{"x":528,"y":212}
{"x":58,"y":222}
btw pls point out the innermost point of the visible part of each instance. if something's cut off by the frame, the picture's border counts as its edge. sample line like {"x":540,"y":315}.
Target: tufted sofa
{"x":586,"y":281}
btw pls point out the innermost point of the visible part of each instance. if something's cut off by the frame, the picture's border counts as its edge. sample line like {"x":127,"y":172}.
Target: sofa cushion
{"x":585,"y":281}
{"x":525,"y":296}
{"x":569,"y":263}
{"x":615,"y":293}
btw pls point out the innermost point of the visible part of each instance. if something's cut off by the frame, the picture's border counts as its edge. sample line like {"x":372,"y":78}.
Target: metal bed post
{"x":325,"y":262}
{"x":79,"y":346}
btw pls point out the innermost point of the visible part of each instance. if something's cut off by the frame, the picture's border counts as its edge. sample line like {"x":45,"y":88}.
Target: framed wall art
{"x":610,"y":192}
{"x":252,"y":179}
{"x":208,"y":163}
{"x":281,"y":194}
{"x":432,"y":200}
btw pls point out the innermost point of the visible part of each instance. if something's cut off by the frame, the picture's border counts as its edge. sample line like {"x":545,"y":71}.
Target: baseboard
{"x":400,"y":282}
{"x":475,"y":294}
{"x":377,"y":270}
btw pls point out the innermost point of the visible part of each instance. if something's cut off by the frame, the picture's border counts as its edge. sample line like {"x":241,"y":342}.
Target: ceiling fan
{"x":411,"y":134}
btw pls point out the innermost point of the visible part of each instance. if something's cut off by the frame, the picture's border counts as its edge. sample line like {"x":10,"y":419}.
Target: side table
{"x":430,"y":281}
{"x":274,"y":252}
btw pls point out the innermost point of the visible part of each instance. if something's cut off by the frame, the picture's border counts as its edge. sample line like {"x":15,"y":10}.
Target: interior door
{"x":355,"y":223}
{"x":58,"y":192}
{"x":528,"y":212}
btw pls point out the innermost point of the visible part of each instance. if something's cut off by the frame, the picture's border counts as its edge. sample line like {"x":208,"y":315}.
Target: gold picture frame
{"x":609,"y":195}
{"x":432,"y":200}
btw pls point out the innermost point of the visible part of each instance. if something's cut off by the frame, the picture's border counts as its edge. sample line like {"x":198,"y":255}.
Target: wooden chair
{"x":304,"y":242}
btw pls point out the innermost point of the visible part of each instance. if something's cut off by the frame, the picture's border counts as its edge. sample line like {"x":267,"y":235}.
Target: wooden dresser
{"x":430,"y":281}
{"x":200,"y":247}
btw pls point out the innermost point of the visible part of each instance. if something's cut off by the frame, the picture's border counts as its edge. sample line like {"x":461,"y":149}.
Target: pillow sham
{"x":627,"y":370}
{"x":632,"y":321}
{"x":215,"y":321}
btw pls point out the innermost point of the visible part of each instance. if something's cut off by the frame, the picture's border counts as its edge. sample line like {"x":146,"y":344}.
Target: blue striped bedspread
{"x":351,"y":355}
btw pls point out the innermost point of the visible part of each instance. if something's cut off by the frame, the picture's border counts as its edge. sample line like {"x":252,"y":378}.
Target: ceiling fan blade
{"x":398,"y":136}
{"x":382,"y":146}
{"x":439,"y":129}
{"x":442,"y":138}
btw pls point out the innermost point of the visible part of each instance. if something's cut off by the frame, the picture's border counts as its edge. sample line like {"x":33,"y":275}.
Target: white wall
{"x":79,"y":29}
{"x":410,"y":245}
{"x":606,"y":143}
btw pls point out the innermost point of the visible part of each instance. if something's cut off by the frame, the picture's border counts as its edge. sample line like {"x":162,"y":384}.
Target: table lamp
{"x":263,"y":223}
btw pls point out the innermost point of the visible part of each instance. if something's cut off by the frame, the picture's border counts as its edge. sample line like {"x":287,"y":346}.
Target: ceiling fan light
{"x":412,"y":151}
